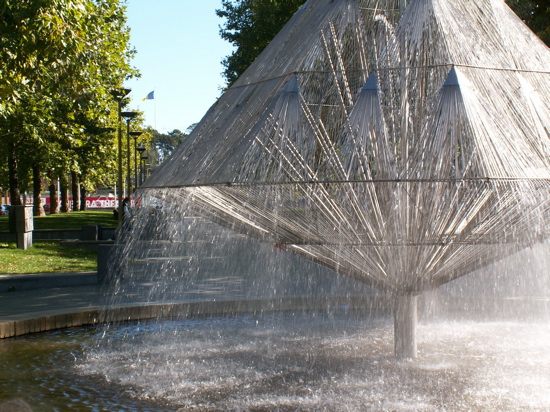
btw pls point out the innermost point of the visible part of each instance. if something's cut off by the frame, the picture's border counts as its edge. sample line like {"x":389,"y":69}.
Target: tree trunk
{"x":37,"y":209}
{"x":15,"y":193}
{"x":54,"y":204}
{"x":64,"y":193}
{"x":75,"y":189}
{"x":83,"y":197}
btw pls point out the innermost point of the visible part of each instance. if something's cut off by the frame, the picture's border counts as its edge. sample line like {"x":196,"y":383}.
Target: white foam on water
{"x":297,"y":362}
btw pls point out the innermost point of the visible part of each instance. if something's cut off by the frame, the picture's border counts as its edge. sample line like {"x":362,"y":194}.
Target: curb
{"x":184,"y":310}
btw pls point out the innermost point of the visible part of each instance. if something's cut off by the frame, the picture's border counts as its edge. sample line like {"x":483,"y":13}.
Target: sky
{"x":179,"y":54}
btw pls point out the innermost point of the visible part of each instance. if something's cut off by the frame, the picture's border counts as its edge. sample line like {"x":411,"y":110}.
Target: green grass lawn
{"x":71,"y":220}
{"x":50,"y":256}
{"x":45,"y":257}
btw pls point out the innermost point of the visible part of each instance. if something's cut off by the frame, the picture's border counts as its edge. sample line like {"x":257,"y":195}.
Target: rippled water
{"x":281,"y":362}
{"x":42,"y":370}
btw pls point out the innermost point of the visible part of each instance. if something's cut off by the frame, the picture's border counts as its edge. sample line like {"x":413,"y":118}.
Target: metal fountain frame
{"x":402,"y":143}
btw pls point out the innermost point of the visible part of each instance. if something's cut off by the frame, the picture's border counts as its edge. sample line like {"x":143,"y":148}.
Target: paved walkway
{"x":43,"y":302}
{"x":26,"y":304}
{"x":38,"y":302}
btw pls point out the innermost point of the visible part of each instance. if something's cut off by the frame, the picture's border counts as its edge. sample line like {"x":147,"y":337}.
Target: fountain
{"x":403,"y":144}
{"x":377,"y":151}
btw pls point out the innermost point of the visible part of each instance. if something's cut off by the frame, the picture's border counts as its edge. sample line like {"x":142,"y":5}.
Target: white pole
{"x":405,"y":320}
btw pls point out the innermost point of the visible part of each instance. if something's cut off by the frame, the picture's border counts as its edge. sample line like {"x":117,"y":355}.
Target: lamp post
{"x":140,"y":148}
{"x":135,"y":134}
{"x":128,"y":116}
{"x":119,"y":95}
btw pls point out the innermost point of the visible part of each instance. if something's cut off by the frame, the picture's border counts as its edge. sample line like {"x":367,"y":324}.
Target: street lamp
{"x":128,"y":116}
{"x":119,"y":95}
{"x":135,"y":134}
{"x":140,"y":149}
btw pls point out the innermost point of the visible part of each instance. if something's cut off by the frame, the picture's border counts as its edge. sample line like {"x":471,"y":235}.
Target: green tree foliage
{"x":60,"y":59}
{"x":536,"y":14}
{"x":163,"y":144}
{"x":250,"y":25}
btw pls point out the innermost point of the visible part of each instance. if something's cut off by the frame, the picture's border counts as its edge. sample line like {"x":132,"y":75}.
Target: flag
{"x":150,"y":96}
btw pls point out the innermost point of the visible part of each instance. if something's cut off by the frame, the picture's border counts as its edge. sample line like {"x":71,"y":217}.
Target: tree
{"x":62,"y":58}
{"x":250,"y":26}
{"x":163,"y":144}
{"x":166,"y":143}
{"x":536,"y":14}
{"x":95,"y":164}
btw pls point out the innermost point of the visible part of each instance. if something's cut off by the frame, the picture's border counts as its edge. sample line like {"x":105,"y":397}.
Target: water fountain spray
{"x":404,"y":144}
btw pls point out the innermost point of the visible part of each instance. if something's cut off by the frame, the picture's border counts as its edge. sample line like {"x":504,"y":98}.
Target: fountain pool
{"x":281,"y":361}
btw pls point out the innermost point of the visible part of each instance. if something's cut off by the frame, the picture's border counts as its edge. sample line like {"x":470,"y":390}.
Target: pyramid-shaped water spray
{"x":403,"y":143}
